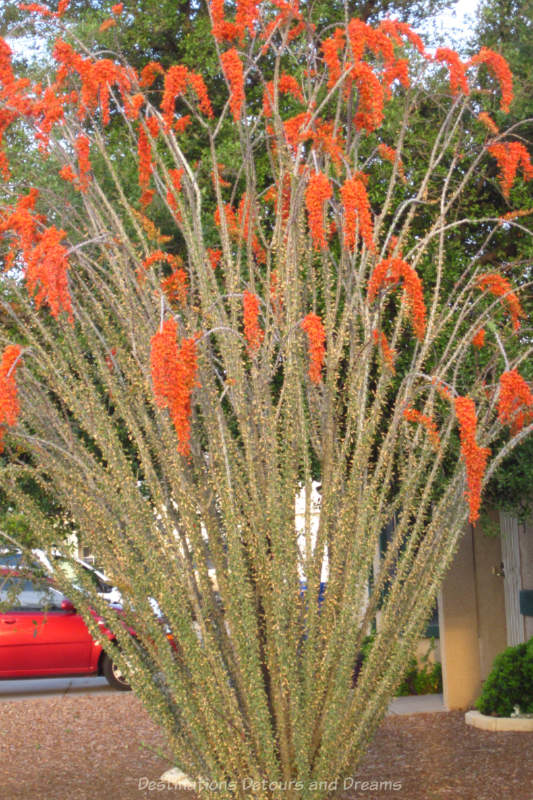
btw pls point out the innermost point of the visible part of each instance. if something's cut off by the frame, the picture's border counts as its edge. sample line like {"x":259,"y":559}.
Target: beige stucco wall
{"x":425,"y":645}
{"x":525,"y":538}
{"x":490,"y":599}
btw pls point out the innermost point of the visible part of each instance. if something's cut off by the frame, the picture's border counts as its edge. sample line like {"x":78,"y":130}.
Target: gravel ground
{"x":99,"y":747}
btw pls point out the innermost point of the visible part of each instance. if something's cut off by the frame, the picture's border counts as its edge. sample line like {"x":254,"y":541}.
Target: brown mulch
{"x":94,"y":747}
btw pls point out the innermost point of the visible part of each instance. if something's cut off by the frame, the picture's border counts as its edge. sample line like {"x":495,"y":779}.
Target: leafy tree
{"x":177,"y":401}
{"x":504,"y":25}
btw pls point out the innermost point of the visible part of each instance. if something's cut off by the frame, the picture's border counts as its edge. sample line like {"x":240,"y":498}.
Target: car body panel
{"x":45,"y":643}
{"x":38,"y":637}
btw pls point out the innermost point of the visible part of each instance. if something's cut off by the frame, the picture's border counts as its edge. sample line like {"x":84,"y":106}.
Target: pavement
{"x":30,"y":688}
{"x":417,"y":704}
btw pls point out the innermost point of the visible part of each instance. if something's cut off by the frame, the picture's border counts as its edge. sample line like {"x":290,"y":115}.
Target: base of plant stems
{"x":175,"y":777}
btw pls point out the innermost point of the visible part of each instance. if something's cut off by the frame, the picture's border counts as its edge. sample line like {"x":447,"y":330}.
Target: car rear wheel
{"x":114,"y":675}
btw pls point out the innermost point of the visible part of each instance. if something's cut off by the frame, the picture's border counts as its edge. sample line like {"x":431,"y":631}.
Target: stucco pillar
{"x":471,"y":616}
{"x":458,"y":620}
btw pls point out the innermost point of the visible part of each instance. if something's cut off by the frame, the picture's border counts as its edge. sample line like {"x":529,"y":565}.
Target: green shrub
{"x":510,"y":683}
{"x":420,"y":678}
{"x":424,"y":677}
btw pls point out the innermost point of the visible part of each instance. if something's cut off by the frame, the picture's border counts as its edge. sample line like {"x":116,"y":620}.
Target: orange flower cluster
{"x":133,"y":105}
{"x":284,"y":197}
{"x":442,"y":389}
{"x":49,"y":109}
{"x":510,"y":156}
{"x":84,"y":165}
{"x":182,"y":123}
{"x":456,"y":68}
{"x":475,"y":457}
{"x":515,"y":402}
{"x":175,"y":287}
{"x":396,"y":29}
{"x":238,"y":225}
{"x":9,"y":405}
{"x":245,"y":18}
{"x":117,"y":9}
{"x":22,"y":223}
{"x":106,"y":24}
{"x":177,"y":78}
{"x":499,"y":286}
{"x":47,"y":270}
{"x":397,"y":71}
{"x":197,"y":84}
{"x":373,"y":89}
{"x":389,"y":154}
{"x":357,"y":210}
{"x":144,"y":153}
{"x":478,"y":340}
{"x":296,"y":129}
{"x":175,"y":84}
{"x":231,"y":219}
{"x":287,"y":84}
{"x":316,"y":337}
{"x":317,"y":194}
{"x":149,"y":73}
{"x":371,"y":98}
{"x":214,"y":257}
{"x":253,"y":333}
{"x":520,"y":212}
{"x":234,"y":73}
{"x":412,"y":415}
{"x":36,"y":8}
{"x":97,"y":77}
{"x":68,"y":174}
{"x":223,"y":29}
{"x":82,"y":180}
{"x":7,"y":90}
{"x":389,"y":272}
{"x":156,"y":257}
{"x":174,"y":372}
{"x":389,"y":354}
{"x":488,"y":122}
{"x":217,"y":177}
{"x":175,"y":176}
{"x":242,"y":228}
{"x":44,"y":11}
{"x":150,"y":228}
{"x":45,"y":108}
{"x":500,"y":69}
{"x":330,"y":51}
{"x":274,"y":291}
{"x":325,"y":139}
{"x":288,"y":12}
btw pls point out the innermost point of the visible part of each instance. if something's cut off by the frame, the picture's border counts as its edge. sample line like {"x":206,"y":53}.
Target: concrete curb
{"x":485,"y":723}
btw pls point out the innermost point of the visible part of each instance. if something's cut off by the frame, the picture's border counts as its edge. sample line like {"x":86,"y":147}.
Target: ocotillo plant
{"x":309,"y":320}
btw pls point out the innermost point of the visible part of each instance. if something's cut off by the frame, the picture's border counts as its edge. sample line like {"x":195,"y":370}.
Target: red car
{"x":42,"y":635}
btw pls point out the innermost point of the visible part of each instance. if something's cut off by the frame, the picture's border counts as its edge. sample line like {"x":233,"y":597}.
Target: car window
{"x":10,"y":559}
{"x":26,"y":595}
{"x":97,"y":582}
